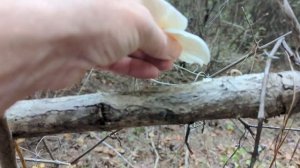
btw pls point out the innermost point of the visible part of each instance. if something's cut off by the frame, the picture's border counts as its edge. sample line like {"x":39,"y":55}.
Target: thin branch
{"x":186,"y":158}
{"x":288,"y":11}
{"x":162,"y":83}
{"x":202,"y":74}
{"x":186,"y":139}
{"x":237,"y":148}
{"x":221,"y":8}
{"x":18,"y":150}
{"x":269,"y":127}
{"x":36,"y":151}
{"x":48,"y":149}
{"x":157,"y":156}
{"x":274,"y":41}
{"x":294,"y":57}
{"x":295,"y":150}
{"x":56,"y":162}
{"x":261,"y":112}
{"x":281,"y":136}
{"x":187,"y":150}
{"x":232,"y":64}
{"x":255,"y":152}
{"x":93,"y":147}
{"x":233,"y":25}
{"x":85,"y":81}
{"x":182,"y":68}
{"x":250,"y":25}
{"x":118,"y":153}
{"x":247,"y":127}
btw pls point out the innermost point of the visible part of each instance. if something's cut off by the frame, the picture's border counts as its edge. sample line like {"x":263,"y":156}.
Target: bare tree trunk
{"x":220,"y":98}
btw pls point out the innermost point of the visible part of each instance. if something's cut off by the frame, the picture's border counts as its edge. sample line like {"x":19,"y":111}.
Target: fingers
{"x":162,"y":65}
{"x":154,"y":42}
{"x":134,"y":67}
{"x":148,"y":48}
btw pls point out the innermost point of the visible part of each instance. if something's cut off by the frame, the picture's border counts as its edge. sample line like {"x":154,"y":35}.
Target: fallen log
{"x":219,"y":98}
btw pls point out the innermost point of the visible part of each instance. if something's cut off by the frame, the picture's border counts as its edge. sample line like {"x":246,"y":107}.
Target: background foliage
{"x":230,"y":26}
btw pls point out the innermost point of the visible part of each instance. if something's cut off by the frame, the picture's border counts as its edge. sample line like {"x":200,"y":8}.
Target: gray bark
{"x":220,"y":98}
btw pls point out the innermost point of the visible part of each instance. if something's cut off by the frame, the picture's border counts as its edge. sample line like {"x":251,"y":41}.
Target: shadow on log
{"x":219,"y":98}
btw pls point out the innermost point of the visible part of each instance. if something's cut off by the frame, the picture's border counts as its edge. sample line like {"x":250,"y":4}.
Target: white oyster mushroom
{"x":194,"y":49}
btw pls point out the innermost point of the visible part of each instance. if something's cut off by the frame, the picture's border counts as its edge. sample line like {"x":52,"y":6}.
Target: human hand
{"x":126,"y":39}
{"x":50,"y":44}
{"x":172,"y":22}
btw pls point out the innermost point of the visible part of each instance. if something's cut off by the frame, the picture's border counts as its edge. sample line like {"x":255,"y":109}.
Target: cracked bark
{"x":220,"y":98}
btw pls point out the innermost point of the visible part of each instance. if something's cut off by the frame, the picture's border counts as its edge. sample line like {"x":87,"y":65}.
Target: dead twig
{"x":295,"y":149}
{"x":48,"y":149}
{"x":18,"y":150}
{"x":157,"y":156}
{"x":118,"y":153}
{"x":268,"y":127}
{"x":186,"y":139}
{"x":255,"y":152}
{"x":85,"y":81}
{"x":93,"y":147}
{"x":237,"y":148}
{"x":56,"y":162}
{"x":232,"y":64}
{"x":221,"y":8}
{"x":186,"y":158}
{"x":288,"y":11}
{"x":282,"y":136}
{"x":250,"y":25}
{"x":274,"y":41}
{"x":261,"y":112}
{"x":294,"y":57}
{"x":247,"y":127}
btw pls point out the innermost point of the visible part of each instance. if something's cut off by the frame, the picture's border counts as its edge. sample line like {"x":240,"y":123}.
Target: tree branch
{"x":288,"y":11}
{"x":219,"y":98}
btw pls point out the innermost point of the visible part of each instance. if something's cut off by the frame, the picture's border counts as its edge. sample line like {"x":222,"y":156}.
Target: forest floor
{"x":212,"y":142}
